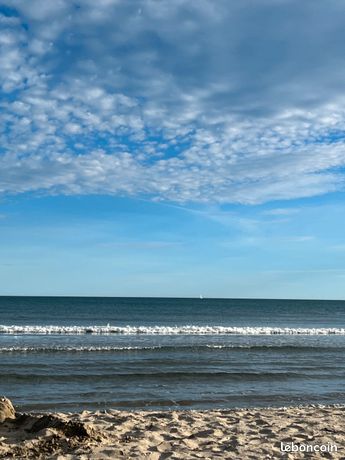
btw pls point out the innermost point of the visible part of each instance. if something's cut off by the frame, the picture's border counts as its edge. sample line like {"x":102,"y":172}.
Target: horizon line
{"x":171,"y":297}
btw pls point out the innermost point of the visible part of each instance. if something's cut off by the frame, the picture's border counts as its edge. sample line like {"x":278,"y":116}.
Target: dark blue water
{"x":86,"y":353}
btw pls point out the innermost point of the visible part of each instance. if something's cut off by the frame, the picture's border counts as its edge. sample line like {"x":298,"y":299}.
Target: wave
{"x":59,"y":349}
{"x":168,"y":348}
{"x":178,"y":375}
{"x":165,"y":330}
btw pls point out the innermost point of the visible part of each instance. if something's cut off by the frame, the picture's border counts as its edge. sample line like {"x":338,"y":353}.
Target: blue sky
{"x":172,"y":148}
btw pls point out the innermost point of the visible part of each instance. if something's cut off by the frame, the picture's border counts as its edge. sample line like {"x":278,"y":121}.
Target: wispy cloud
{"x":178,"y":101}
{"x":298,"y":238}
{"x":281,"y":212}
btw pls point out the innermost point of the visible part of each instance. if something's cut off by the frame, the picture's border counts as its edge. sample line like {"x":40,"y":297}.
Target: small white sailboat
{"x":201,"y":297}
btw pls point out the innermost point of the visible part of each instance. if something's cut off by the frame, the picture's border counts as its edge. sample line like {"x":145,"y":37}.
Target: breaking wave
{"x":167,"y":348}
{"x":165,"y":330}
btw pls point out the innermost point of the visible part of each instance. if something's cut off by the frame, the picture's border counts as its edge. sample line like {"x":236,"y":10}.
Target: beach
{"x":172,"y":229}
{"x":236,"y":433}
{"x":112,"y":378}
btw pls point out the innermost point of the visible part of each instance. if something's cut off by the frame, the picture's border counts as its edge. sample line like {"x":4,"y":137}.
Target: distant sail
{"x":201,"y":297}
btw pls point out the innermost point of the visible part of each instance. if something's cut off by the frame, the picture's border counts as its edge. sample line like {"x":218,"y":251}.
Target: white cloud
{"x":172,"y":100}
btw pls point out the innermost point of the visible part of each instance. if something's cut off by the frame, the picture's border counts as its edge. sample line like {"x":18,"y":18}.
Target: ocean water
{"x":71,"y":354}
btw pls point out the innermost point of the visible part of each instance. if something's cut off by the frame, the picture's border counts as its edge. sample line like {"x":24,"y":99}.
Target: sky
{"x":172,"y":148}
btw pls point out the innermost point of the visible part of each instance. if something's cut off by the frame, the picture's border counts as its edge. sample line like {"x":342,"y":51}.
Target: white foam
{"x":167,"y":330}
{"x":69,"y":349}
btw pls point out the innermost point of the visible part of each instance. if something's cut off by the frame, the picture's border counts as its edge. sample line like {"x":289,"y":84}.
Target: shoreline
{"x":155,"y":409}
{"x":177,"y":434}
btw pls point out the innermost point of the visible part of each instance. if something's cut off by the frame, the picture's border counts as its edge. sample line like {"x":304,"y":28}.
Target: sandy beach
{"x":157,"y":435}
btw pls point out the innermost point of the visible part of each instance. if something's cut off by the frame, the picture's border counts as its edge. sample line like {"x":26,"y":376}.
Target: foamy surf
{"x":58,"y":349}
{"x":166,"y":348}
{"x":165,"y":330}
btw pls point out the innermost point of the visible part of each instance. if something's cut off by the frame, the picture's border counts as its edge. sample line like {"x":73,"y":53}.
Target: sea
{"x":91,"y":353}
